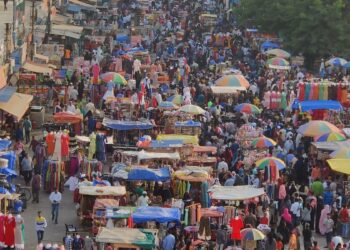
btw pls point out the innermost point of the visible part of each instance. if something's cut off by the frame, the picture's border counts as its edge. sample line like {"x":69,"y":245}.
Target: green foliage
{"x":315,"y":28}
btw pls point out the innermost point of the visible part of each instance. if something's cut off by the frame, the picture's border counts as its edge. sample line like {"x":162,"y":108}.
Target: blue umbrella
{"x":336,"y":61}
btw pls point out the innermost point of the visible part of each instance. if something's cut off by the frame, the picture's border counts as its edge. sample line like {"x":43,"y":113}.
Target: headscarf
{"x":286,"y":215}
{"x":326,"y":210}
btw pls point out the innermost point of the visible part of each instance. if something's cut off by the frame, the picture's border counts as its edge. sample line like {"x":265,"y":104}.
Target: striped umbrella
{"x":336,"y":61}
{"x":236,"y":81}
{"x":332,"y":136}
{"x":278,"y":63}
{"x":278,"y":53}
{"x":192,"y":109}
{"x":247,"y":108}
{"x":168,"y":105}
{"x":252,"y":234}
{"x":113,"y":77}
{"x":270,"y":161}
{"x":177,"y":99}
{"x":341,"y":153}
{"x":317,"y":128}
{"x":263,"y":142}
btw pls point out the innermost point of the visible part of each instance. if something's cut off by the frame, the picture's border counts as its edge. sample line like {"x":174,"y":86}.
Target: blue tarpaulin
{"x":189,"y":123}
{"x":6,"y":93}
{"x":158,"y":214}
{"x":146,"y":174}
{"x":269,"y":45}
{"x":11,"y":157}
{"x":4,"y":144}
{"x":316,"y":104}
{"x":166,"y":144}
{"x":122,"y":38}
{"x":74,"y":8}
{"x":127,"y":125}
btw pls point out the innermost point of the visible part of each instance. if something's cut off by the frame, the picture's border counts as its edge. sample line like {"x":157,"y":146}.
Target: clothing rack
{"x":53,"y":175}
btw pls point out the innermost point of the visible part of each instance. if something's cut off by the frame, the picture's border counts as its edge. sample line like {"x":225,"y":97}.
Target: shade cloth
{"x":164,"y":144}
{"x":146,"y":174}
{"x":6,"y":93}
{"x":126,"y":125}
{"x":67,"y":117}
{"x":17,"y":105}
{"x":317,"y":104}
{"x":157,"y":214}
{"x":105,"y":190}
{"x":340,"y":165}
{"x":331,"y":146}
{"x":236,"y":193}
{"x":37,"y":68}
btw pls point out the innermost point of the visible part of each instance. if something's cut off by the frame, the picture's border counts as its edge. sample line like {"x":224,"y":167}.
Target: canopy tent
{"x":340,"y":165}
{"x":163,"y":144}
{"x":187,"y":139}
{"x":67,"y":117}
{"x":192,"y":174}
{"x":104,"y":190}
{"x":143,"y":155}
{"x":317,"y":104}
{"x":126,"y":125}
{"x":331,"y":146}
{"x":235,"y":193}
{"x":6,"y":93}
{"x":131,"y":236}
{"x":189,"y":123}
{"x":146,"y":174}
{"x":17,"y":105}
{"x":157,"y":214}
{"x":37,"y":68}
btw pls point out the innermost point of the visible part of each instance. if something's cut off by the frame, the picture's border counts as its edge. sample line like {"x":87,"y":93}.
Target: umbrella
{"x":278,"y":52}
{"x":113,"y":77}
{"x":270,"y":161}
{"x":192,"y":109}
{"x":247,"y":108}
{"x":317,"y":128}
{"x":332,"y":136}
{"x":167,"y":105}
{"x":177,"y":99}
{"x":347,"y":65}
{"x":264,"y":228}
{"x":252,"y":234}
{"x":263,"y":142}
{"x":341,"y":153}
{"x":336,"y":61}
{"x":340,"y":165}
{"x":278,"y":63}
{"x":235,"y":81}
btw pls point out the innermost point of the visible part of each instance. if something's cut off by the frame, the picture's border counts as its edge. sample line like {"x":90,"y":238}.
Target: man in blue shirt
{"x":168,"y":242}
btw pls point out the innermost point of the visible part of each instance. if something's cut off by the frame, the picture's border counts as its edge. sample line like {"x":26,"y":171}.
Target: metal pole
{"x":33,"y":25}
{"x":49,"y":17}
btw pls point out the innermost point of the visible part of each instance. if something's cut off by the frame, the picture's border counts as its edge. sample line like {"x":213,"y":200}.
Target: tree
{"x":315,"y":28}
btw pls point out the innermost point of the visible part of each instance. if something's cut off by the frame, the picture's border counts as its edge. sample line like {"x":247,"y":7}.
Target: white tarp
{"x":331,"y":146}
{"x":226,"y":90}
{"x":143,"y":155}
{"x":105,"y":190}
{"x":235,"y":193}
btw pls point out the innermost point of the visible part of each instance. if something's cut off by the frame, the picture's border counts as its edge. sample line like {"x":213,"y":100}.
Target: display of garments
{"x":92,"y":146}
{"x":88,"y":166}
{"x":50,"y":141}
{"x":284,"y":100}
{"x":57,"y":154}
{"x":53,"y":175}
{"x":10,"y":224}
{"x":344,"y":94}
{"x":40,"y":155}
{"x":236,"y":225}
{"x":321,"y":91}
{"x":73,"y":165}
{"x":101,"y":147}
{"x":19,"y":237}
{"x":64,"y":145}
{"x":325,"y":91}
{"x":73,"y":145}
{"x":267,"y":99}
{"x":2,"y":230}
{"x":95,"y":73}
{"x":307,"y":91}
{"x":315,"y":94}
{"x":301,"y":95}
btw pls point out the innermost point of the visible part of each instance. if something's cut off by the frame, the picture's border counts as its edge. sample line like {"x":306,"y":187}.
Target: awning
{"x":143,"y":155}
{"x":6,"y":93}
{"x":331,"y":146}
{"x":317,"y":104}
{"x":146,"y":174}
{"x":102,"y":191}
{"x":37,"y":68}
{"x":187,"y":139}
{"x":74,"y":8}
{"x":126,"y":125}
{"x":235,"y":193}
{"x":17,"y":105}
{"x":157,"y":214}
{"x":340,"y":165}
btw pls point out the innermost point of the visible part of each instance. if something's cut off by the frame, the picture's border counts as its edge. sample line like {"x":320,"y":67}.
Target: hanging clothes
{"x":321,"y":91}
{"x":101,"y":147}
{"x":53,"y":175}
{"x":236,"y":225}
{"x":307,"y":91}
{"x":344,"y":93}
{"x":10,"y":224}
{"x":301,"y":95}
{"x":315,"y":94}
{"x":50,"y":141}
{"x":19,"y":237}
{"x":64,"y":145}
{"x":88,"y":166}
{"x":267,"y":99}
{"x":2,"y":230}
{"x":92,"y":146}
{"x":73,"y":165}
{"x":73,"y":144}
{"x":57,"y":154}
{"x":273,"y":100}
{"x":40,"y":155}
{"x":283,"y":100}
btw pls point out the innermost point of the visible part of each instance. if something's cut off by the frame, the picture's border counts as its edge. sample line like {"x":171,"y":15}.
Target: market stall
{"x":69,"y":118}
{"x":157,"y":214}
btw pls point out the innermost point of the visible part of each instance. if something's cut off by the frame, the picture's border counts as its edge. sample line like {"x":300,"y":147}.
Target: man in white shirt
{"x":55,"y":198}
{"x":296,"y":211}
{"x":222,"y":165}
{"x":143,"y":200}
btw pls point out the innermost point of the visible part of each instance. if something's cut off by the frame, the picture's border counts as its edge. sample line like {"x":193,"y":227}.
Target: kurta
{"x":64,"y":145}
{"x":50,"y":141}
{"x":236,"y":225}
{"x":2,"y":230}
{"x":10,"y":224}
{"x":92,"y":146}
{"x":19,"y":239}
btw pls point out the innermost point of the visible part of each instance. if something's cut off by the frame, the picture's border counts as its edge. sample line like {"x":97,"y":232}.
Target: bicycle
{"x":24,"y":192}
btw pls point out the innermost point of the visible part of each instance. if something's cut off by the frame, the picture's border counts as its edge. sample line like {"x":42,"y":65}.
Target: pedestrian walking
{"x":27,"y":125}
{"x":40,"y":225}
{"x":27,"y":168}
{"x":55,"y":198}
{"x":36,"y":185}
{"x":328,"y":224}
